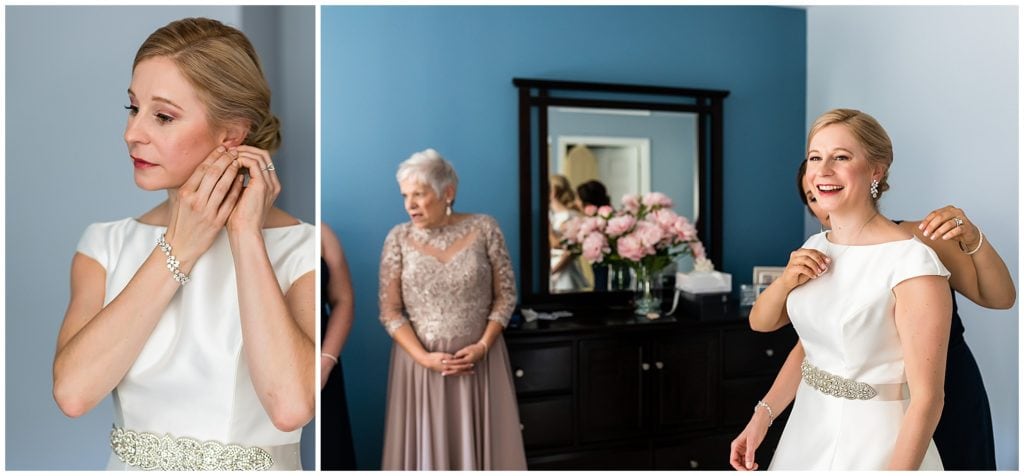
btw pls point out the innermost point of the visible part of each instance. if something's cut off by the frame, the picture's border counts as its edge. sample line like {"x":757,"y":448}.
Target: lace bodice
{"x":447,"y":282}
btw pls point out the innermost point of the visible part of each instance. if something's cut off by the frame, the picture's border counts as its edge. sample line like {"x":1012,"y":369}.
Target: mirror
{"x":589,"y":144}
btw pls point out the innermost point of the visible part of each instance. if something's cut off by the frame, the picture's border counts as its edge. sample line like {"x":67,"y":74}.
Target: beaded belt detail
{"x":835,"y":385}
{"x":167,"y":453}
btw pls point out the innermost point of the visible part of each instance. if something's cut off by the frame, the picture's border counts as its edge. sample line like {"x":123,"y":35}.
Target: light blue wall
{"x":401,"y":79}
{"x":944,"y":82}
{"x":67,"y":166}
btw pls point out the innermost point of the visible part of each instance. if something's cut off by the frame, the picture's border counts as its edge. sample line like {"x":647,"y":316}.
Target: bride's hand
{"x":804,"y":265}
{"x":741,"y":451}
{"x":202,"y":205}
{"x":258,"y":197}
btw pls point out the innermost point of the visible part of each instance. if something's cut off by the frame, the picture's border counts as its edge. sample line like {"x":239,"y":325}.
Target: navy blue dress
{"x":336,"y":448}
{"x":964,"y":434}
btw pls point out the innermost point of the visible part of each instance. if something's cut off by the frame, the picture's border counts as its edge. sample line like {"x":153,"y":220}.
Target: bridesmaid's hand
{"x":258,"y":197}
{"x":942,"y":223}
{"x":741,"y":451}
{"x":804,"y":265}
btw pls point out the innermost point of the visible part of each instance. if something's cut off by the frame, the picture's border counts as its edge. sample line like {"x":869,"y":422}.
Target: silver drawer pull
{"x":694,"y":464}
{"x":645,"y":366}
{"x":659,"y":365}
{"x":769,"y":352}
{"x":520,"y":373}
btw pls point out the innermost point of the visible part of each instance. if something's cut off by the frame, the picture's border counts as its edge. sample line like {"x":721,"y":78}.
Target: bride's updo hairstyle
{"x":222,"y":65}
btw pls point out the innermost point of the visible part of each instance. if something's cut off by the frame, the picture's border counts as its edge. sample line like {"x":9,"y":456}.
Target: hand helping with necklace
{"x":950,"y":223}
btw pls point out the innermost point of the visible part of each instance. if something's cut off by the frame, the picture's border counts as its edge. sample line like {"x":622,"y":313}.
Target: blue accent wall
{"x":400,"y":79}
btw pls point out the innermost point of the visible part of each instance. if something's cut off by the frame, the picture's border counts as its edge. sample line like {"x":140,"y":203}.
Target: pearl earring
{"x":448,"y":209}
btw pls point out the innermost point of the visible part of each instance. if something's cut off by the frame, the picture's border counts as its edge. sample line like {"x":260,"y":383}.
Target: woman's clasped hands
{"x":459,"y":363}
{"x":215,"y":197}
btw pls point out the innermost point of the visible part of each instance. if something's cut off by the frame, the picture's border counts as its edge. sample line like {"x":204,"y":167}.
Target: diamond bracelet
{"x":771,"y":414}
{"x":172,"y":262}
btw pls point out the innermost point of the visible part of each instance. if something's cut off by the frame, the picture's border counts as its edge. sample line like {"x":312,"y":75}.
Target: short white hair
{"x":428,"y":167}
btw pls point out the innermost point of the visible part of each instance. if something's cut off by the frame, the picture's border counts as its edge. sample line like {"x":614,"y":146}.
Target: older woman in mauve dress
{"x":446,"y":293}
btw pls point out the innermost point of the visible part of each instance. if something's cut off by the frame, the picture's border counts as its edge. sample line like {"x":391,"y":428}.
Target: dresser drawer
{"x":746,"y":353}
{"x":698,"y":454}
{"x":542,"y":368}
{"x":739,"y":398}
{"x":546,"y":422}
{"x":615,"y":458}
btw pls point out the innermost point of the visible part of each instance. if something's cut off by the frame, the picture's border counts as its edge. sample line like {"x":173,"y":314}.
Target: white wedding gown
{"x":191,"y":379}
{"x":845,"y":320}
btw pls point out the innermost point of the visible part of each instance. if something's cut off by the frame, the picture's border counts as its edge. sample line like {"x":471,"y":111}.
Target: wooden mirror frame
{"x":535,"y":96}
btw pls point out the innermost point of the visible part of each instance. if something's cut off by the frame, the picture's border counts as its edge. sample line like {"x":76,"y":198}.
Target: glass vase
{"x":647,"y":301}
{"x":619,"y":277}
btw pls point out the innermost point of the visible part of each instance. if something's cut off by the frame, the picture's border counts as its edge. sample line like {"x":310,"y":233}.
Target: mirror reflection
{"x":599,"y":155}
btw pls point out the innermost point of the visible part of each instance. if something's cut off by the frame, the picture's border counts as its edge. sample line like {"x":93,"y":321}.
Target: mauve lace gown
{"x":448,"y":283}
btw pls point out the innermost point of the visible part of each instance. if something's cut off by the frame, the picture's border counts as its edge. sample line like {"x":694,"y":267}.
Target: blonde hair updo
{"x":221,"y":63}
{"x":869,"y":133}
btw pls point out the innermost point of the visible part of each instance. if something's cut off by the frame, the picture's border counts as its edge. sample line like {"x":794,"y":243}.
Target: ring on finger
{"x":958,"y":221}
{"x":270,"y":167}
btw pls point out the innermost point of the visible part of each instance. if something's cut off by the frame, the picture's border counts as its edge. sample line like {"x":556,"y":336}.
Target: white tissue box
{"x":698,"y":282}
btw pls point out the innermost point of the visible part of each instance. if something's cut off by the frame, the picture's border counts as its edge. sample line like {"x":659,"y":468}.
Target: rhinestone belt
{"x":167,"y":453}
{"x":840,"y":387}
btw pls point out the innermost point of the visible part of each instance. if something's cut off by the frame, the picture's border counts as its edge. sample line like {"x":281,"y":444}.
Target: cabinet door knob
{"x":520,"y":373}
{"x":694,"y":464}
{"x":645,"y":366}
{"x":659,"y":365}
{"x":769,"y":352}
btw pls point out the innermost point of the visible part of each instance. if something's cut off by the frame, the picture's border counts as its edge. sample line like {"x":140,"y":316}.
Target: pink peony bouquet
{"x":644,"y":232}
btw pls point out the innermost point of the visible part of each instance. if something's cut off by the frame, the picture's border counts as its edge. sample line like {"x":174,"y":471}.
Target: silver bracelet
{"x":771,"y":414}
{"x":981,"y":240}
{"x":172,"y":262}
{"x":329,"y":356}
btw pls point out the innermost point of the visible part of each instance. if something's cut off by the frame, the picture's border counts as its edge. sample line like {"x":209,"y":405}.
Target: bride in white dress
{"x":871,"y":305}
{"x":198,"y":315}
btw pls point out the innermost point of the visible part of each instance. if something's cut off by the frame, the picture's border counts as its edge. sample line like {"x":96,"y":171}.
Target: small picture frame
{"x":765,"y":275}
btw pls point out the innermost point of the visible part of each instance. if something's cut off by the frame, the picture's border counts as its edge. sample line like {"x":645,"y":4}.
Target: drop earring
{"x":448,"y":209}
{"x":874,"y":189}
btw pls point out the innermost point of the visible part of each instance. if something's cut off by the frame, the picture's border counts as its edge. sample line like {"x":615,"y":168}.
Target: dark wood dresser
{"x":610,"y":390}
